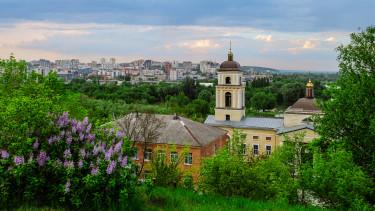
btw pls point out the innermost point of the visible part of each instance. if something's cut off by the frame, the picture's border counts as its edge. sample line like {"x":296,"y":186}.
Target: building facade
{"x":263,"y":135}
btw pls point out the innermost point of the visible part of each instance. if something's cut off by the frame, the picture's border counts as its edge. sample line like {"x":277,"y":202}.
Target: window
{"x":228,"y":99}
{"x":161,"y":154}
{"x":227,"y":80}
{"x":189,"y":159}
{"x":148,"y":153}
{"x":268,"y":149}
{"x":255,"y":149}
{"x":135,"y":155}
{"x":227,"y":117}
{"x":268,"y":138}
{"x":255,"y":137}
{"x":243,"y":147}
{"x":174,"y":157}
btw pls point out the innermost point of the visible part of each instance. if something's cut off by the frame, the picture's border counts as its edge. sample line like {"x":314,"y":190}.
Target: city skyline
{"x":291,"y":35}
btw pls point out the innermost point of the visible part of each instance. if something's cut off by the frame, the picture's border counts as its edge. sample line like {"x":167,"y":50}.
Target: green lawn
{"x":180,"y":199}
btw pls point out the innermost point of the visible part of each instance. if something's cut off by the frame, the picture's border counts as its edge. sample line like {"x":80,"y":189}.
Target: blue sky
{"x":284,"y":34}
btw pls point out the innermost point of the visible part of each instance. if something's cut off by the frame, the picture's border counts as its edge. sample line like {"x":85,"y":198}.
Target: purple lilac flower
{"x":82,"y":152}
{"x":18,"y":160}
{"x":36,"y":145}
{"x":108,"y":154}
{"x":62,"y":133}
{"x":4,"y":154}
{"x":50,"y":140}
{"x":85,"y":121}
{"x":67,"y":186}
{"x":74,"y":129}
{"x":111,"y":131}
{"x":111,"y":166}
{"x":42,"y":158}
{"x":118,"y":147}
{"x":56,"y":138}
{"x":88,"y":128}
{"x":80,"y":164}
{"x":79,"y":127}
{"x":63,"y":120}
{"x":81,"y":136}
{"x":90,"y":137}
{"x":69,"y":140}
{"x":67,"y":153}
{"x":94,"y":170}
{"x":124,"y":161}
{"x":68,"y":164}
{"x":74,"y":123}
{"x":119,"y":134}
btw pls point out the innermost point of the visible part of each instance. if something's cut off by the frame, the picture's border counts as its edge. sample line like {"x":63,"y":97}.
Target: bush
{"x":73,"y":168}
{"x":335,"y":179}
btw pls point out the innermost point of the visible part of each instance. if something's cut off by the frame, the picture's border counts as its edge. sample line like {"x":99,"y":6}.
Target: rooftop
{"x":248,"y":122}
{"x":304,"y":105}
{"x":183,"y":131}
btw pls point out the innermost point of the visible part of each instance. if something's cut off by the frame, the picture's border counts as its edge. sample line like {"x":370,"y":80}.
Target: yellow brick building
{"x":263,"y":135}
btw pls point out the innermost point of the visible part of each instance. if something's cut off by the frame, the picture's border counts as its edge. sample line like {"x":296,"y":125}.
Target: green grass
{"x":180,"y":199}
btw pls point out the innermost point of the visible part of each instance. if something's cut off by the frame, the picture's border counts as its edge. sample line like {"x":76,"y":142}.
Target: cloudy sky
{"x":283,"y":34}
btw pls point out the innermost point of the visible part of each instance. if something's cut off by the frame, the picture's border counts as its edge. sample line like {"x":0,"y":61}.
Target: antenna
{"x":230,"y":45}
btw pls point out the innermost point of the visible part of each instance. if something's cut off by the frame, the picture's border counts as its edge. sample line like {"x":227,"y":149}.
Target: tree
{"x":262,"y":101}
{"x":292,"y":92}
{"x":336,"y":180}
{"x":205,"y":94}
{"x":141,"y":128}
{"x":189,"y":87}
{"x":349,"y":116}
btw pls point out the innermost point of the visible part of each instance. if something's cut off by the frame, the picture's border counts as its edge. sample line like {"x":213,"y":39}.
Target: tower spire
{"x":230,"y":54}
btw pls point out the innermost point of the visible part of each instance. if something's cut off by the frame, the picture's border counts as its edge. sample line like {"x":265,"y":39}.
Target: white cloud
{"x":331,"y":39}
{"x":199,"y":44}
{"x":265,"y":38}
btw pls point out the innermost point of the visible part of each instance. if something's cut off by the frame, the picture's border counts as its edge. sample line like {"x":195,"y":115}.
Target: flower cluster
{"x":94,"y":155}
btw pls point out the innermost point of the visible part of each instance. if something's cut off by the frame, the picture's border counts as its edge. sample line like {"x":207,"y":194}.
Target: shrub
{"x":73,"y":168}
{"x":335,"y":179}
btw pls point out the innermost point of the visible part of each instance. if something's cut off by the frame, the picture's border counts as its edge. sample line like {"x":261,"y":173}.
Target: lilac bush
{"x":74,"y":167}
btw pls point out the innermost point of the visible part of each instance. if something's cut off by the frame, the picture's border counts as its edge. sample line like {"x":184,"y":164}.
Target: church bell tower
{"x":230,"y":91}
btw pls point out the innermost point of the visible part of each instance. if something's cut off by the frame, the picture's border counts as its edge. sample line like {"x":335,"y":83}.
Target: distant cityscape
{"x":110,"y":71}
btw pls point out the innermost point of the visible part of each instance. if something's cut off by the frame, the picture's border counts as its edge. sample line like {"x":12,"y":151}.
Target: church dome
{"x":230,"y":65}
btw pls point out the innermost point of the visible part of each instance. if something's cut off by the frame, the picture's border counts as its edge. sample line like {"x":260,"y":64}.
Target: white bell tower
{"x":230,"y":91}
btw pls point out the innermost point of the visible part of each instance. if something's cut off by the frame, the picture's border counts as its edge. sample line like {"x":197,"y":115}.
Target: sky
{"x":281,"y":34}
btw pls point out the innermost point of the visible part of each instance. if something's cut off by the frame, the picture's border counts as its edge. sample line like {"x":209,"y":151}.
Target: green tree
{"x":292,"y":92}
{"x":337,"y":181}
{"x":262,"y":101}
{"x":349,"y":116}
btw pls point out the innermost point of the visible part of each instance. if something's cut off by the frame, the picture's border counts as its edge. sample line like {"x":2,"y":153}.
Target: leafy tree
{"x":205,"y":95}
{"x":189,"y":88}
{"x":292,"y":92}
{"x":349,"y":117}
{"x":337,"y":181}
{"x":262,"y":101}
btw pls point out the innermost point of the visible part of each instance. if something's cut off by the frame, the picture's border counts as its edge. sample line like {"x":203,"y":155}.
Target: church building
{"x":263,"y":135}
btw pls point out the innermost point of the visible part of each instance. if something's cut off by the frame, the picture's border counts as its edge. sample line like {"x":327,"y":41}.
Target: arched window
{"x":227,"y":80}
{"x":228,"y":99}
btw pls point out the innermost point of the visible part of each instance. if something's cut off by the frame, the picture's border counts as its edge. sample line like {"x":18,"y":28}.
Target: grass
{"x":180,"y":199}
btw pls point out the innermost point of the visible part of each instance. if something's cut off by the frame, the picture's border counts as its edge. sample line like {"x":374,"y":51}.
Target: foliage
{"x":165,"y":172}
{"x":350,"y":113}
{"x":73,"y":168}
{"x":231,"y":172}
{"x":262,"y":101}
{"x":336,"y":180}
